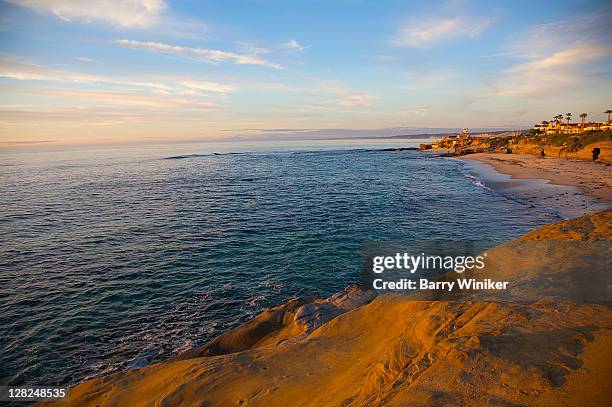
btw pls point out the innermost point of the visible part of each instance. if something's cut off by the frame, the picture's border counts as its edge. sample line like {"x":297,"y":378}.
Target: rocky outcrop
{"x":317,"y":313}
{"x":593,"y":227}
{"x":576,"y":146}
{"x":566,"y":151}
{"x":289,"y":320}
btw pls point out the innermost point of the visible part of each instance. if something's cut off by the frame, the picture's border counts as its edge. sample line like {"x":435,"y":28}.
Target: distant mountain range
{"x":331,"y":134}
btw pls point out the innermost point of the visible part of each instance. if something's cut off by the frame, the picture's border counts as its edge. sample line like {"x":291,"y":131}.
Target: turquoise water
{"x":115,"y":258}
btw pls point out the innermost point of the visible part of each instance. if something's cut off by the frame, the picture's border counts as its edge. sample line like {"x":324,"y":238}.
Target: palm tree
{"x":608,"y":112}
{"x":568,"y":117}
{"x":559,"y":120}
{"x":582,"y":117}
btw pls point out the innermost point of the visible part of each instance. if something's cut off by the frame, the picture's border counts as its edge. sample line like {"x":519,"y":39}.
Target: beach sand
{"x":571,"y":187}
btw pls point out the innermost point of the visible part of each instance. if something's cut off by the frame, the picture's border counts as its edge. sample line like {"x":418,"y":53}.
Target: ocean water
{"x":115,"y":258}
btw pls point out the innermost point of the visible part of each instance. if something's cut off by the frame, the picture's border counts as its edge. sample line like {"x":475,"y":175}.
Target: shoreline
{"x":570,"y":187}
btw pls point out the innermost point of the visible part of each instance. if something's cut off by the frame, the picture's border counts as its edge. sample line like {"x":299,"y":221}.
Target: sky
{"x":104,"y":71}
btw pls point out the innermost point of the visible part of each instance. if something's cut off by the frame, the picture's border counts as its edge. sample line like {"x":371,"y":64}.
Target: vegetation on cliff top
{"x":576,"y":141}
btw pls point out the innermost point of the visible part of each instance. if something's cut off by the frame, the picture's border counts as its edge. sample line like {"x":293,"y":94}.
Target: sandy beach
{"x":571,"y":187}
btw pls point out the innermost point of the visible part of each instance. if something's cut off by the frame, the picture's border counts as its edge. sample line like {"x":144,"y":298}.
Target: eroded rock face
{"x":291,"y":319}
{"x":312,"y":316}
{"x":395,"y":352}
{"x":593,"y":227}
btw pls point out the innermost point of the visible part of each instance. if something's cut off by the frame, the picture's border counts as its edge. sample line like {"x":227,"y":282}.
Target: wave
{"x":481,"y":184}
{"x":303,"y":152}
{"x":182,"y":157}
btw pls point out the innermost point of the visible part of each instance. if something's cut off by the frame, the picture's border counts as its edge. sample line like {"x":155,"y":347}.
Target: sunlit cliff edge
{"x":354,"y":349}
{"x":590,"y":146}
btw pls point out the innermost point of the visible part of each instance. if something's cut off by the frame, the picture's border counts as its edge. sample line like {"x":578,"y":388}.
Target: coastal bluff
{"x":590,"y":146}
{"x":354,"y":349}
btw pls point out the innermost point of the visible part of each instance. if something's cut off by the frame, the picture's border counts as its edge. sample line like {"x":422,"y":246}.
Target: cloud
{"x":418,"y":111}
{"x":100,"y":118}
{"x":207,"y":86}
{"x":252,"y":49}
{"x":425,"y":32}
{"x":28,"y":142}
{"x":62,"y":100}
{"x":126,"y":13}
{"x":99,"y":113}
{"x":124,"y":98}
{"x":89,"y":60}
{"x":576,"y":55}
{"x":383,"y":57}
{"x":88,"y":109}
{"x":30,"y":72}
{"x":335,"y":88}
{"x":292,"y":45}
{"x":542,"y":39}
{"x":558,"y":57}
{"x":212,"y":55}
{"x":339,"y":96}
{"x":556,"y":73}
{"x":356,"y":100}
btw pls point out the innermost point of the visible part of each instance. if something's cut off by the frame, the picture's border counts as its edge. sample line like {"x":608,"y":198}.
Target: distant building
{"x":598,"y":126}
{"x":570,"y":128}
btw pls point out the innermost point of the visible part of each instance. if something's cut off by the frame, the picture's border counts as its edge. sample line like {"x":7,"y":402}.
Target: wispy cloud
{"x":207,"y":86}
{"x":558,"y":57}
{"x":344,"y":97}
{"x":249,"y":48}
{"x":292,"y":45}
{"x":425,"y":32}
{"x":542,"y":39}
{"x":356,"y":100}
{"x":125,"y":98}
{"x":85,"y":59}
{"x":211,"y":55}
{"x":576,"y":55}
{"x":62,"y":100}
{"x":29,"y":72}
{"x":27,"y":142}
{"x":126,"y":13}
{"x":557,"y":72}
{"x":383,"y":57}
{"x":418,"y":111}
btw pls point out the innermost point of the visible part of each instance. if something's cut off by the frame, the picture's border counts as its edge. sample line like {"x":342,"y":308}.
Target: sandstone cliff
{"x":577,"y":146}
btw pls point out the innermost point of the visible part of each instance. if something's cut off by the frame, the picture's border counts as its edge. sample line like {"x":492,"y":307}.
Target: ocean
{"x":114,"y":258}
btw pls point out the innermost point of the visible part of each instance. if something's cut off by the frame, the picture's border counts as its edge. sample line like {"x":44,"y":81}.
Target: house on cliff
{"x":570,"y":128}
